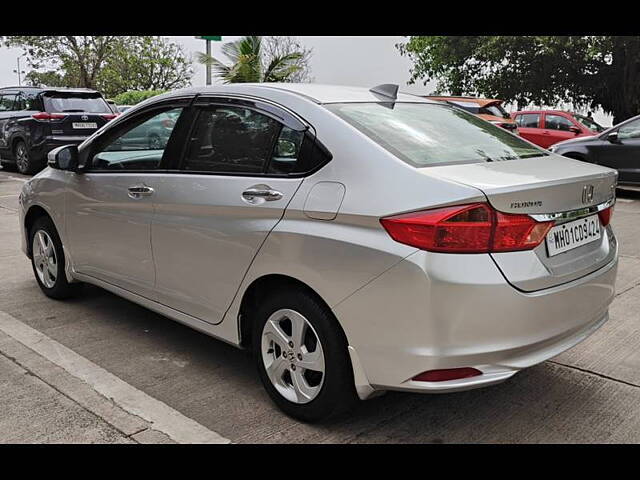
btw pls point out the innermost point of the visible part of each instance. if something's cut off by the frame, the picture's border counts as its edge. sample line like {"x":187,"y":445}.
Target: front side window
{"x":426,"y":134}
{"x":630,"y":130}
{"x":6,"y":102}
{"x":141,"y":145}
{"x":235,"y":140}
{"x":557,"y":122}
{"x":528,"y":120}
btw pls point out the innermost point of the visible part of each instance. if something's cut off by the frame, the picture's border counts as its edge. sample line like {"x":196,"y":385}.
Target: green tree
{"x":587,"y":71}
{"x":261,"y":59}
{"x":145,"y":63}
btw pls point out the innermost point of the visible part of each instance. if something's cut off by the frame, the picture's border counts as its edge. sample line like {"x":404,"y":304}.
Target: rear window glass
{"x":426,"y":134}
{"x":64,"y":102}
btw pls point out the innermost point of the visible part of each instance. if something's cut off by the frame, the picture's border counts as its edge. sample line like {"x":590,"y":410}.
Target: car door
{"x":529,"y":127}
{"x":232,"y":189}
{"x":557,"y":128}
{"x":623,"y":154}
{"x":110,"y":204}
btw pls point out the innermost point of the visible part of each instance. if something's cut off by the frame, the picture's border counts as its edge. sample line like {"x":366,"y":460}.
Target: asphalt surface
{"x":588,"y":394}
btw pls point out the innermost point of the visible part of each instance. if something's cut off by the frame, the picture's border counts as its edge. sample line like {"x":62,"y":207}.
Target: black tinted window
{"x":285,"y":154}
{"x":528,"y":120}
{"x":65,"y":102}
{"x":140,"y":146}
{"x":231,"y":140}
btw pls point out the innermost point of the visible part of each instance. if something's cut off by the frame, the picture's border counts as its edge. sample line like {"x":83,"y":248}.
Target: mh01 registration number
{"x":571,"y":235}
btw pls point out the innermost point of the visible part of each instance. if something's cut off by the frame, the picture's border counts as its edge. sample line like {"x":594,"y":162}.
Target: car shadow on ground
{"x":217,"y":385}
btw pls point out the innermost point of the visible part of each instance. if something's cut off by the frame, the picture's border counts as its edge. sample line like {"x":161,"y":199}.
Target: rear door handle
{"x":139,"y":191}
{"x":254,"y":193}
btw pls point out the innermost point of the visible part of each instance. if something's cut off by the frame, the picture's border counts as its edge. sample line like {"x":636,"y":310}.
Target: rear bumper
{"x":434,"y":311}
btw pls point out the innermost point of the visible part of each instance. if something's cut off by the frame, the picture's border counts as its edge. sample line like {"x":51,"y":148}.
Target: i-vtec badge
{"x":536,"y":203}
{"x":587,"y":194}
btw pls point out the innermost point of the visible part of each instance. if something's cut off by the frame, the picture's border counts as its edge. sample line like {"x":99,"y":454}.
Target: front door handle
{"x":253,"y":194}
{"x":140,"y":191}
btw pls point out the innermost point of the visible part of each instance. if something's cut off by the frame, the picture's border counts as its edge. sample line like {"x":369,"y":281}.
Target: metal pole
{"x":19,"y":79}
{"x":208,"y":63}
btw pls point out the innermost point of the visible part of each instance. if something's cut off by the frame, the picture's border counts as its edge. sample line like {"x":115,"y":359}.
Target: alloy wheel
{"x":22,"y":158}
{"x":292,"y":356}
{"x":44,"y":258}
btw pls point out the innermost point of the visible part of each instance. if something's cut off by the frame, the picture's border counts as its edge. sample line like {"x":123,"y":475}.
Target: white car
{"x":357,"y":240}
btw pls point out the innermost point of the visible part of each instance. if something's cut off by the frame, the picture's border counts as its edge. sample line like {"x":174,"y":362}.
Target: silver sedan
{"x":357,"y":241}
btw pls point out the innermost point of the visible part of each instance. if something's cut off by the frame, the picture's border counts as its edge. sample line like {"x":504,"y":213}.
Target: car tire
{"x":280,"y":364}
{"x":48,"y":261}
{"x":25,"y":164}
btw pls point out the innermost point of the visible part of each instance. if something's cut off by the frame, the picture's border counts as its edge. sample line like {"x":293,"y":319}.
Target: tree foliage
{"x":261,"y":59}
{"x":111,"y":64}
{"x":587,"y":71}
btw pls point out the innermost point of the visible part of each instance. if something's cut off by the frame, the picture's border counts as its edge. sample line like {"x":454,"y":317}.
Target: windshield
{"x":66,"y":102}
{"x":428,"y":134}
{"x":590,"y":124}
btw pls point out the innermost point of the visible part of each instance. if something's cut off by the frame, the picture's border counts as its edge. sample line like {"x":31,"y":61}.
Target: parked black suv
{"x":34,"y":120}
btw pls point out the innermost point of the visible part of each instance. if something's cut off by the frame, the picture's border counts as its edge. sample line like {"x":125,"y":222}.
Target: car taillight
{"x":109,"y":116}
{"x":605,"y":216}
{"x":474,"y":228}
{"x":447,"y":374}
{"x":46,"y":116}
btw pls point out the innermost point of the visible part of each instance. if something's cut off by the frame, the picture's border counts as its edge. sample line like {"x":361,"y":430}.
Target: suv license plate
{"x":574,"y":234}
{"x":85,"y":125}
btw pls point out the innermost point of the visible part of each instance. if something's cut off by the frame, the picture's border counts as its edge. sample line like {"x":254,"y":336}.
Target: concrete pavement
{"x":589,"y":394}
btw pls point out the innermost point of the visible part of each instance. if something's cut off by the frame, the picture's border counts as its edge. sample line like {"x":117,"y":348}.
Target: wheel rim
{"x":22,"y":161}
{"x":292,"y":356}
{"x":154,"y":143}
{"x":44,"y":258}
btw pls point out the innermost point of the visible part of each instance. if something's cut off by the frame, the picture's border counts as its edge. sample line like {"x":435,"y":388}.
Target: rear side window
{"x":528,"y":120}
{"x":7,"y":101}
{"x":557,"y":122}
{"x":235,"y":140}
{"x":67,"y":102}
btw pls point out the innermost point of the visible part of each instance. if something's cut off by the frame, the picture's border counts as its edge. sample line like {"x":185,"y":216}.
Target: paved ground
{"x":102,"y":369}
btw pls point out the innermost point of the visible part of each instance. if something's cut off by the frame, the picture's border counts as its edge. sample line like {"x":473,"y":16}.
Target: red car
{"x":546,"y":127}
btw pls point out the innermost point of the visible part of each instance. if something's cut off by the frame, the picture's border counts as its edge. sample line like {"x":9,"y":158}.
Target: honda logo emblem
{"x":587,"y":194}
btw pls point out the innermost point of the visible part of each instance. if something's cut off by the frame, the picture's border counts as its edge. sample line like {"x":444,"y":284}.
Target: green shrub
{"x":133,"y":97}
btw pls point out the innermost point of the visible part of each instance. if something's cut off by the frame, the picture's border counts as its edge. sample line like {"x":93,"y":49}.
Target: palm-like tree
{"x":249,"y":63}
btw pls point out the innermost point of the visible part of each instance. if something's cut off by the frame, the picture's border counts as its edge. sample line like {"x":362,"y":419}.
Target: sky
{"x":364,"y":61}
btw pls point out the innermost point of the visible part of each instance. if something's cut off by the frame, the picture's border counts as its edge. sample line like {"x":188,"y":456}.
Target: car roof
{"x":480,"y":101}
{"x":318,"y":93}
{"x":50,"y":89}
{"x":545,"y":111}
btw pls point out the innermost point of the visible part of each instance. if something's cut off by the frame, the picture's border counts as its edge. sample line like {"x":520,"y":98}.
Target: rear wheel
{"x":302,"y":357}
{"x":25,"y":163}
{"x":47,"y":260}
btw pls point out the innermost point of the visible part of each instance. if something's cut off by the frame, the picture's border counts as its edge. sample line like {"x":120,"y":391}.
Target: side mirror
{"x":575,"y":130}
{"x":613,"y":137}
{"x":64,"y":158}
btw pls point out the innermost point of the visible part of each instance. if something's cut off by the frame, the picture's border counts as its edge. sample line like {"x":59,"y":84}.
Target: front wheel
{"x":25,"y":164}
{"x":302,"y":357}
{"x":47,"y":260}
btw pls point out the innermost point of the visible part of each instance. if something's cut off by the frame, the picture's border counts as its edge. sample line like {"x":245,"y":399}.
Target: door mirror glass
{"x":64,"y":158}
{"x":574,"y":129}
{"x":613,"y":137}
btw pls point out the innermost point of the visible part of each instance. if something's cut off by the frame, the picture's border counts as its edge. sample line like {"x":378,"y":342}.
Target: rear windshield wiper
{"x":74,"y":110}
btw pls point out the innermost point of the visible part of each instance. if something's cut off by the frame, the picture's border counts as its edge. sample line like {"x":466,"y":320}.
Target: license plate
{"x":574,"y":234}
{"x":85,"y":125}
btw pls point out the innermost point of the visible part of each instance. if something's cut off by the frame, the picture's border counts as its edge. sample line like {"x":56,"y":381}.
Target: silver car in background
{"x":356,"y":240}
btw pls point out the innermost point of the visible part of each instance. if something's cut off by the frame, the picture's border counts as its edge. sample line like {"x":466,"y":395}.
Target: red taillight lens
{"x":605,"y":216}
{"x":474,"y":228}
{"x":109,"y":116}
{"x":45,"y":116}
{"x":447,"y":374}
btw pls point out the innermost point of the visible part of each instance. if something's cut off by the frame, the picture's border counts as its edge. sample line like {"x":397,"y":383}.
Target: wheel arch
{"x":34,"y":212}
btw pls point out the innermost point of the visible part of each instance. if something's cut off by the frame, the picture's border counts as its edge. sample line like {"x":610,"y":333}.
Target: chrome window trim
{"x":574,"y":214}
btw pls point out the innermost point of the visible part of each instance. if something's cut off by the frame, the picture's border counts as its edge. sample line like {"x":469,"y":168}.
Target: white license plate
{"x":85,"y":125}
{"x":571,"y":235}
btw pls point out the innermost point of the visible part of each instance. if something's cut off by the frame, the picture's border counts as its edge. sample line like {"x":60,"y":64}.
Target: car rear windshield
{"x":426,"y":134}
{"x":75,"y":102}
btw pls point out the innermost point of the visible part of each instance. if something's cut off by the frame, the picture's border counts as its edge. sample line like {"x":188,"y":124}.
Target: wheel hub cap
{"x":44,"y":258}
{"x":292,"y":356}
